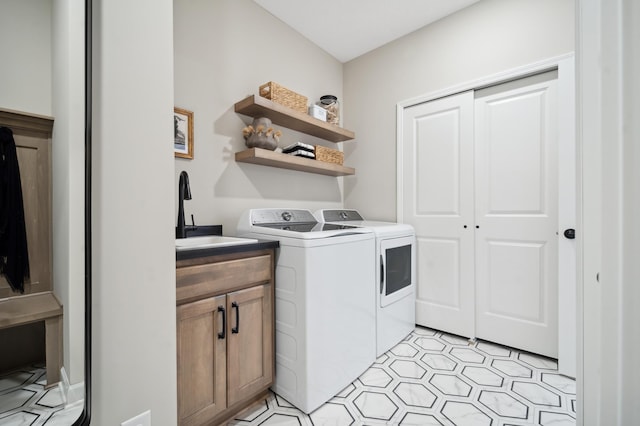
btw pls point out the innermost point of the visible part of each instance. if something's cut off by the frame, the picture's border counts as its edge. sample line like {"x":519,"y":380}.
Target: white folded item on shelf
{"x":302,"y":153}
{"x":298,"y":146}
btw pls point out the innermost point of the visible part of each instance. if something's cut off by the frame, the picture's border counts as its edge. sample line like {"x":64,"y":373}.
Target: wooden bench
{"x":21,"y":310}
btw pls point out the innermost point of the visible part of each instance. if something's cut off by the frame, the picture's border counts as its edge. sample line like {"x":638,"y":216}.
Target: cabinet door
{"x":250,"y":343}
{"x":201,"y":360}
{"x":34,"y":160}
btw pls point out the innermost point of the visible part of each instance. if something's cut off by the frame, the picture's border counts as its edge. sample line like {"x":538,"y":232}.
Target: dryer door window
{"x":397,"y":269}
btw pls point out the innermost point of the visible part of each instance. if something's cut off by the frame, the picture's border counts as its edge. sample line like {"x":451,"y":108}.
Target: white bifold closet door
{"x":438,"y":201}
{"x":480,"y":187}
{"x":517,"y":214}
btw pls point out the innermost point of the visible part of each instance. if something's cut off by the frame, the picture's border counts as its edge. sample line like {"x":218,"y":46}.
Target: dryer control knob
{"x":286,"y":216}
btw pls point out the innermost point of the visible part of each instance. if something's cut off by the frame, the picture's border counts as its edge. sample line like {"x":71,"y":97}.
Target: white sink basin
{"x":210,"y":241}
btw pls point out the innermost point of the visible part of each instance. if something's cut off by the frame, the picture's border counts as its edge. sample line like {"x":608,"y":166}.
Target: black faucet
{"x":184,"y":193}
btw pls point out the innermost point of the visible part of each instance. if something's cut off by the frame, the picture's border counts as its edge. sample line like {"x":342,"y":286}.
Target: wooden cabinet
{"x":32,"y":135}
{"x":250,"y":342}
{"x":202,"y":361}
{"x":225,"y":338}
{"x":256,"y":106}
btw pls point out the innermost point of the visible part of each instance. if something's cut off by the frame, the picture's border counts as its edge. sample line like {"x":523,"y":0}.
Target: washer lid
{"x":293,"y":223}
{"x":382,"y":228}
{"x":307,"y":227}
{"x":353,"y":218}
{"x":301,"y":232}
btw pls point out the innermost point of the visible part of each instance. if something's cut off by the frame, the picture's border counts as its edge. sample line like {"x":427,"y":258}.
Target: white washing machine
{"x":395,"y":274}
{"x":325,"y":307}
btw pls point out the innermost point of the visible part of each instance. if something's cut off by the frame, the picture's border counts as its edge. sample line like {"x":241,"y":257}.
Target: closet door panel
{"x":516,"y":214}
{"x":437,"y":164}
{"x":515,"y":291}
{"x":442,"y":268}
{"x":437,"y":193}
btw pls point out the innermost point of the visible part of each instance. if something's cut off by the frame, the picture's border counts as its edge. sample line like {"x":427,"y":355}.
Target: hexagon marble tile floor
{"x":25,"y":401}
{"x":430,"y":378}
{"x":434,"y":378}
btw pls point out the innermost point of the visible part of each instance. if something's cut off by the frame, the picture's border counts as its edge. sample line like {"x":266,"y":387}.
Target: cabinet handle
{"x":236,"y":329}
{"x":381,"y":274}
{"x":221,"y":335}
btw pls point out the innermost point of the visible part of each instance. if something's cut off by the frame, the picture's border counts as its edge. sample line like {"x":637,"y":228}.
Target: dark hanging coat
{"x":14,"y":258}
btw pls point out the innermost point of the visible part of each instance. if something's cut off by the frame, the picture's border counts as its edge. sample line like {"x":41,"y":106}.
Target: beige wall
{"x":134,"y":295}
{"x":25,"y":37}
{"x":224,"y":50}
{"x":68,"y":177}
{"x":489,"y":37}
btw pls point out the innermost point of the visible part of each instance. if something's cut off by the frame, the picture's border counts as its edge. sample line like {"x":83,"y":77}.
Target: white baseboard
{"x":72,"y":395}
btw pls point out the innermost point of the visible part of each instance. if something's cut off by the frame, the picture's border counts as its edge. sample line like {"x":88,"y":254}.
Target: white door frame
{"x":608,"y":132}
{"x":568,"y":353}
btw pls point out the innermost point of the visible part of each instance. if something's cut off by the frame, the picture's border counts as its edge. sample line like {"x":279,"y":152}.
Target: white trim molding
{"x":608,"y":52}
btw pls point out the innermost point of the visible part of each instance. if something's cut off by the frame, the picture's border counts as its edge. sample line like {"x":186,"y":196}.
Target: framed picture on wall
{"x":182,"y":133}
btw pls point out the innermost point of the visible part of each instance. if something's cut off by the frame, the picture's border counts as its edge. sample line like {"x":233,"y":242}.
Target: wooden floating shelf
{"x":284,"y":161}
{"x":257,"y":106}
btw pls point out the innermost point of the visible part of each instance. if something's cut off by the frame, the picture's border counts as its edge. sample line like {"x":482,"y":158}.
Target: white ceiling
{"x":347,"y":29}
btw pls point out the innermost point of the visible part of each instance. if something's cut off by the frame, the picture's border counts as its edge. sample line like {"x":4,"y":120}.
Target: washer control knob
{"x":286,"y":216}
{"x":344,"y":215}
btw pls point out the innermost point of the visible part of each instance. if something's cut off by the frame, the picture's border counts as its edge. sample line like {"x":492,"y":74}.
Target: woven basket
{"x":329,"y":155}
{"x":284,"y":96}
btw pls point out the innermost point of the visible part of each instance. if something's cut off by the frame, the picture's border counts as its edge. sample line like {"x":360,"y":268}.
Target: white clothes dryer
{"x":395,"y":274}
{"x":325,"y":307}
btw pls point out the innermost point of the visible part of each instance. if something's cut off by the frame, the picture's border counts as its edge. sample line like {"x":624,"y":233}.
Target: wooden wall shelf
{"x":284,"y":161}
{"x":257,"y":106}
